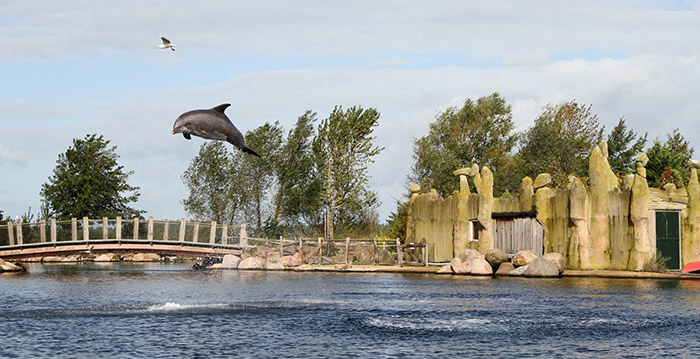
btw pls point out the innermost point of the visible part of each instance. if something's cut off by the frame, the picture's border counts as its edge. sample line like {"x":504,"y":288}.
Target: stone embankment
{"x":106,"y":257}
{"x":10,"y":267}
{"x":497,"y":262}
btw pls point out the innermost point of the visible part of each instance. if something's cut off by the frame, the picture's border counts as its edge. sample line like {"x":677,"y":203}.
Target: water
{"x":168,"y":310}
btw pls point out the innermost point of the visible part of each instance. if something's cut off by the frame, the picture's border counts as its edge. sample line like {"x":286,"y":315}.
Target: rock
{"x":107,"y":257}
{"x":10,"y":267}
{"x":311,"y":251}
{"x":505,"y":268}
{"x":53,"y":259}
{"x":692,"y":164}
{"x":145,"y":257}
{"x":304,"y":267}
{"x":543,"y":179}
{"x":264,"y":250}
{"x":518,"y":272}
{"x":294,"y":261}
{"x":541,"y":267}
{"x":251,"y":263}
{"x":275,"y":266}
{"x":467,"y":254}
{"x":446,"y":269}
{"x":523,"y":258}
{"x":495,"y":257}
{"x":315,"y":260}
{"x":363,"y":254}
{"x":386,"y":258}
{"x":342,"y":266}
{"x":480,"y":266}
{"x":557,"y":259}
{"x":415,"y":188}
{"x":73,"y":258}
{"x":459,"y":267}
{"x":230,"y":261}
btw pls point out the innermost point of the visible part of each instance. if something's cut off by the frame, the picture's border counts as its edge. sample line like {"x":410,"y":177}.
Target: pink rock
{"x":523,"y":258}
{"x":480,"y":266}
{"x":557,"y":259}
{"x":446,"y":269}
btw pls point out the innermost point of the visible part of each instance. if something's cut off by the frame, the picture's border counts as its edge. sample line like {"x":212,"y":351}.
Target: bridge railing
{"x":86,"y":229}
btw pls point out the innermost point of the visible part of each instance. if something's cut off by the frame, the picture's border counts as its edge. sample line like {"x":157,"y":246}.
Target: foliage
{"x":671,"y":175}
{"x":478,"y":132}
{"x":623,"y":147}
{"x":298,"y":197}
{"x":397,"y":221}
{"x":88,"y":182}
{"x":343,"y":148}
{"x":657,"y":263}
{"x":674,"y":153}
{"x":561,"y":140}
{"x":216,"y":185}
{"x":260,"y":172}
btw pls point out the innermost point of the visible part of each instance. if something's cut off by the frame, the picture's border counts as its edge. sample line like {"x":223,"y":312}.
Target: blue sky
{"x":71,"y":68}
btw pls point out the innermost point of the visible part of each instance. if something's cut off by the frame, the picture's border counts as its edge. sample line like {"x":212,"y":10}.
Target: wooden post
{"x":105,"y":228}
{"x":166,"y":227}
{"x":11,"y":233}
{"x":74,"y":229}
{"x":53,"y":230}
{"x":347,"y":251}
{"x":20,"y":240}
{"x":136,"y":228}
{"x":243,"y":236}
{"x":399,"y":252}
{"x":42,"y":231}
{"x":425,"y":254}
{"x":224,"y":234}
{"x":212,"y":233}
{"x":281,"y":246}
{"x":86,"y":229}
{"x":182,"y":230}
{"x":301,"y":250}
{"x":150,"y":229}
{"x":118,"y":228}
{"x":376,"y":251}
{"x":195,"y":233}
{"x":320,"y":251}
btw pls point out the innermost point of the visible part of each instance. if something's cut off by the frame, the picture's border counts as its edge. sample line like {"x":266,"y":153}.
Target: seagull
{"x":88,"y":251}
{"x":165,"y":43}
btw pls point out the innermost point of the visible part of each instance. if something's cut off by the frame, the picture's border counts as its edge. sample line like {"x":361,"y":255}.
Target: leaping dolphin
{"x":211,"y":124}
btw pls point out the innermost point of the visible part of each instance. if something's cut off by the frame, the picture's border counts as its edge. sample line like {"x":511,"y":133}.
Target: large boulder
{"x":518,"y":272}
{"x":385,"y":257}
{"x":264,"y":250}
{"x":145,"y":257}
{"x":251,"y":262}
{"x":295,"y":260}
{"x":274,"y":266}
{"x":10,"y":267}
{"x":480,"y":266}
{"x":505,"y":268}
{"x":53,"y":259}
{"x":363,"y":254}
{"x":459,"y":267}
{"x":230,"y":261}
{"x":557,"y":259}
{"x":467,"y":255}
{"x":541,"y":267}
{"x":107,"y":257}
{"x":495,"y":257}
{"x":523,"y":258}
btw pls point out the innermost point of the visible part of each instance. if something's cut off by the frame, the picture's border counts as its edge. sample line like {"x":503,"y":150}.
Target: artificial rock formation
{"x":639,"y":215}
{"x":690,"y":235}
{"x":602,"y":182}
{"x":486,"y":240}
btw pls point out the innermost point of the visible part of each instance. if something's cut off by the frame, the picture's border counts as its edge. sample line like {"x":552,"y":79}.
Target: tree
{"x":343,"y":148}
{"x":215,"y":182}
{"x":623,"y":147}
{"x":88,"y":182}
{"x":674,"y":154}
{"x":397,"y":221}
{"x":478,"y":132}
{"x":561,"y":140}
{"x":298,"y":197}
{"x":260,"y":172}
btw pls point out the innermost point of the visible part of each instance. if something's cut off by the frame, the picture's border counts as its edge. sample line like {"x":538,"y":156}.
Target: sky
{"x":72,"y":68}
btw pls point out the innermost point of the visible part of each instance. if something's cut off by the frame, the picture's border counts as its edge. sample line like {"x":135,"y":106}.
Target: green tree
{"x":397,"y":221}
{"x":88,"y":182}
{"x":343,"y":148}
{"x":478,"y":132}
{"x":674,"y":154}
{"x":298,"y":198}
{"x":260,"y":172}
{"x":561,"y":140}
{"x":623,"y":147}
{"x":217,"y":188}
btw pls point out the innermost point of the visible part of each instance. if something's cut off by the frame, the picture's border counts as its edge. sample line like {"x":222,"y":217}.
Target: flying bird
{"x":211,"y":124}
{"x":165,"y":43}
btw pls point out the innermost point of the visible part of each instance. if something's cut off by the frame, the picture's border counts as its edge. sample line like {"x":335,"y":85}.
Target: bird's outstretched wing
{"x":164,"y":41}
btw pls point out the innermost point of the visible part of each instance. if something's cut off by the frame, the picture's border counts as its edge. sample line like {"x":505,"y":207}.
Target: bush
{"x":657,"y":263}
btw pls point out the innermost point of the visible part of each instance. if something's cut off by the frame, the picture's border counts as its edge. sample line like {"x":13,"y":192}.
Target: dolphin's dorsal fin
{"x":221,"y":108}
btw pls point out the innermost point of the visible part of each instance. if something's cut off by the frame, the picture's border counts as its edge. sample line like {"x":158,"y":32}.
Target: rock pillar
{"x":579,"y":251}
{"x":542,"y":196}
{"x":639,"y":215}
{"x":527,"y":193}
{"x":690,"y":236}
{"x":486,"y":239}
{"x":461,"y":223}
{"x":602,"y":181}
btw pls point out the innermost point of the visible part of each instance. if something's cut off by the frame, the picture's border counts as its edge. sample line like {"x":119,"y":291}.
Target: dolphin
{"x":211,"y":124}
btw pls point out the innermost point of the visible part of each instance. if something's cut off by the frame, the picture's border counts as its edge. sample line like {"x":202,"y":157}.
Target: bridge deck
{"x":98,"y":246}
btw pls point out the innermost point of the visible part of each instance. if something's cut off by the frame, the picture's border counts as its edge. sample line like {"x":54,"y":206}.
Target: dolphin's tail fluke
{"x":248,"y":150}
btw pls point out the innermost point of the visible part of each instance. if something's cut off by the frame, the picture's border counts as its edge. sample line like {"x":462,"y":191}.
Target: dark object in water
{"x":205,"y":263}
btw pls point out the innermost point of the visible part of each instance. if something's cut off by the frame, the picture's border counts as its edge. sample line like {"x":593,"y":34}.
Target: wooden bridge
{"x":50,"y":238}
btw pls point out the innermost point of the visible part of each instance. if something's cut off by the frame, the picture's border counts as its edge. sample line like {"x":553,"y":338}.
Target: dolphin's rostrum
{"x":212,"y":124}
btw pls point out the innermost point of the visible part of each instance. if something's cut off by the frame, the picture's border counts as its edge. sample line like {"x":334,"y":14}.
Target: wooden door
{"x":668,"y":238}
{"x":517,"y":234}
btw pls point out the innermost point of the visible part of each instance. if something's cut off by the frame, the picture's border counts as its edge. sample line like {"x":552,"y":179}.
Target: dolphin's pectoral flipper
{"x":187,"y":136}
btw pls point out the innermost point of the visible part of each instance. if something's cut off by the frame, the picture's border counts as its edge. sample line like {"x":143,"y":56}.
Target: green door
{"x":668,"y":238}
